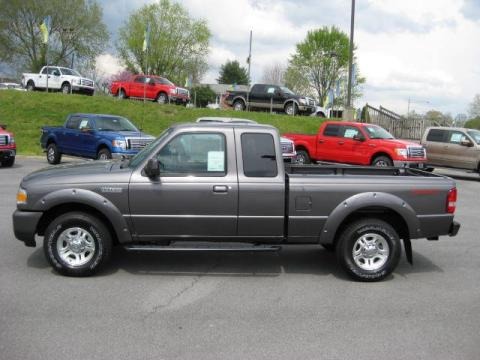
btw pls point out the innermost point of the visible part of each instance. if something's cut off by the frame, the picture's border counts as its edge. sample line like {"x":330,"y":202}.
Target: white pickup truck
{"x":59,"y":79}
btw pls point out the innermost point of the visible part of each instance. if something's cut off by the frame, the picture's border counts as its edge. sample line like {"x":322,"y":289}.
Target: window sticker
{"x":271,"y":90}
{"x":216,"y":161}
{"x":350,"y":133}
{"x":456,"y":137}
{"x":83,"y":124}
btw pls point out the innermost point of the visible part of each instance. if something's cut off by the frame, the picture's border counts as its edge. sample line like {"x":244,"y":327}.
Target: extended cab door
{"x":196,"y":195}
{"x":261,"y":204}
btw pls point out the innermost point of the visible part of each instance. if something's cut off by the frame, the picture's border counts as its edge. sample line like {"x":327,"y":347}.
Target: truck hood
{"x":127,"y":134}
{"x":400,"y":143}
{"x":80,"y":173}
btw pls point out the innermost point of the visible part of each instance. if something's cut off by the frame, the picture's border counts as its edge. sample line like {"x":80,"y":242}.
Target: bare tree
{"x":274,"y":74}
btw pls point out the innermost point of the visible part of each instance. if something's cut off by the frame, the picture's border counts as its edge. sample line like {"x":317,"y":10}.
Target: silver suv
{"x":453,"y":147}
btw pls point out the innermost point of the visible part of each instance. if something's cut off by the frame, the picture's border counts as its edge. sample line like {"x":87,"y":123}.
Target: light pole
{"x":350,"y":60}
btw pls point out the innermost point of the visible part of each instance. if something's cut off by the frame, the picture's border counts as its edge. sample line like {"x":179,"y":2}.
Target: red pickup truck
{"x":153,"y":87}
{"x":8,"y":149}
{"x":357,"y":143}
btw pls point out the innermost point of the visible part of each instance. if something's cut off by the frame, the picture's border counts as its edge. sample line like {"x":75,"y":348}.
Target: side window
{"x":73,"y":122}
{"x":44,"y":70}
{"x":350,"y":132}
{"x":456,"y":137}
{"x":271,"y":90}
{"x":85,"y":123}
{"x":197,"y":154}
{"x":140,"y":79}
{"x":258,"y":152}
{"x":437,"y":135}
{"x":258,"y":89}
{"x":332,"y":130}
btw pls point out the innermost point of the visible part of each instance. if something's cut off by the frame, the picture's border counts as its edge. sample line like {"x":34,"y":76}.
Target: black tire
{"x":291,"y":109}
{"x":121,"y":94}
{"x":104,"y":154}
{"x":162,"y":98}
{"x":374,"y":262}
{"x":92,"y":238}
{"x":66,"y":88}
{"x":302,"y":157}
{"x":9,"y":162}
{"x":53,"y":155}
{"x":30,"y":86}
{"x":238,"y":105}
{"x":382,"y":161}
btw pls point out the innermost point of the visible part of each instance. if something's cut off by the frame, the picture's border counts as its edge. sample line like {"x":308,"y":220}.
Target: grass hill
{"x":26,"y":112}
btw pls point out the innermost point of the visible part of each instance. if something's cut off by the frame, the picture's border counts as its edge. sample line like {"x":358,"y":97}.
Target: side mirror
{"x":152,"y":169}
{"x":358,"y":137}
{"x":466,"y":142}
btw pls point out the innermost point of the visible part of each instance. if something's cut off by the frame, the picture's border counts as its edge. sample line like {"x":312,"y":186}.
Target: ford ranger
{"x":219,"y":183}
{"x":94,"y":136}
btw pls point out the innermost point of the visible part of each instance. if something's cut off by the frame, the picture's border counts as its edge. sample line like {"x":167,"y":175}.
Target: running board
{"x":232,"y":248}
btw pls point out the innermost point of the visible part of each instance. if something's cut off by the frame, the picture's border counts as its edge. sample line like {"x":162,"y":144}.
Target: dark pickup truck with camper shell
{"x":224,"y":183}
{"x":271,"y":97}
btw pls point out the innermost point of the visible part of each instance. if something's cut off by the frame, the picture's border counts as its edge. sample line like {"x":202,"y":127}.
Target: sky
{"x":422,"y":52}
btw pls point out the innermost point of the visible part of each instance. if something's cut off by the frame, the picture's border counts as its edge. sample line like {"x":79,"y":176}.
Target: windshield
{"x":475,"y":134}
{"x":287,"y":90}
{"x":66,"y":71}
{"x":110,"y":123}
{"x":145,"y":152}
{"x":377,"y":132}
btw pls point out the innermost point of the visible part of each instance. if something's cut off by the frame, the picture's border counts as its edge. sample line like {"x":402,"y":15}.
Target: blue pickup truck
{"x":94,"y":136}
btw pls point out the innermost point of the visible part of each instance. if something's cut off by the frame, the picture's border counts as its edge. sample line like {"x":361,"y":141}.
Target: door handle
{"x":341,"y":142}
{"x":220,"y":189}
{"x":321,"y":141}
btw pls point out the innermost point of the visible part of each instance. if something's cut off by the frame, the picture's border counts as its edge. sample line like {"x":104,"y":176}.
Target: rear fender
{"x":365,"y":200}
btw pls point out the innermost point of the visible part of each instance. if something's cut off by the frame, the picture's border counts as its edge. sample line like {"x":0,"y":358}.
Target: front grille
{"x":86,"y":82}
{"x":3,"y":139}
{"x":416,"y":152}
{"x":137,"y":143}
{"x":311,"y":102}
{"x":181,"y":91}
{"x":287,"y":148}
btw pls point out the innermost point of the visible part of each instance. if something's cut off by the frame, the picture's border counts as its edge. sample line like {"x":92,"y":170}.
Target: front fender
{"x":369,"y":199}
{"x":89,"y":198}
{"x":289,"y":101}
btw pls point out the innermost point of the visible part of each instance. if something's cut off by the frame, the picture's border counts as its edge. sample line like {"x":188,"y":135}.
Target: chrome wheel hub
{"x":76,"y":246}
{"x":51,"y":154}
{"x":370,"y":251}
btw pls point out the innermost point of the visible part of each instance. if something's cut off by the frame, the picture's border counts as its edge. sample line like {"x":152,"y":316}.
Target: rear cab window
{"x":258,"y":153}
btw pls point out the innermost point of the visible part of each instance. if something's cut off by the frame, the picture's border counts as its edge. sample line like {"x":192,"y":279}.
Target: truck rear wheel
{"x":368,"y":249}
{"x":302,"y":157}
{"x":77,"y":244}
{"x":53,"y":155}
{"x":121,"y":94}
{"x":238,"y":105}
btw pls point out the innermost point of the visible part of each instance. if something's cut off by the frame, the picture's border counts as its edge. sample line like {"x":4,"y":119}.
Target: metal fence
{"x":399,"y":126}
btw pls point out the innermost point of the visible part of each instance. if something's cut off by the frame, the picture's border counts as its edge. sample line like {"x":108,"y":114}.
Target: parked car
{"x":8,"y":148}
{"x":94,"y":136}
{"x":59,"y":79}
{"x":452,"y":147}
{"x":357,"y":143}
{"x":288,"y":147}
{"x":11,"y":86}
{"x":274,"y":97}
{"x":227,"y":183}
{"x":151,"y":87}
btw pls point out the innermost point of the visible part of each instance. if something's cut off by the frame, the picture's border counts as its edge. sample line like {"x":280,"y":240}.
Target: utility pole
{"x":249,"y":63}
{"x":350,"y":60}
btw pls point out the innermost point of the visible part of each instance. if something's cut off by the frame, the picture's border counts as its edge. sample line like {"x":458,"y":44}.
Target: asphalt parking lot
{"x":295,"y":304}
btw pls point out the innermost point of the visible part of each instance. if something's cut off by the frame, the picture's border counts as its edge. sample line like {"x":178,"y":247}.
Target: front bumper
{"x":306,"y":109}
{"x":6,"y":154}
{"x":83,"y":89}
{"x":25,"y":226}
{"x":410,"y":164}
{"x":454,"y":227}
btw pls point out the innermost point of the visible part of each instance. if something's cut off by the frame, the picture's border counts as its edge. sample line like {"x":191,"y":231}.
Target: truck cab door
{"x":196,"y":194}
{"x":261,"y":205}
{"x":328,"y":142}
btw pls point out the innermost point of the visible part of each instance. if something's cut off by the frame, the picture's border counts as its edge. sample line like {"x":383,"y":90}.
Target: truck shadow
{"x":310,"y":261}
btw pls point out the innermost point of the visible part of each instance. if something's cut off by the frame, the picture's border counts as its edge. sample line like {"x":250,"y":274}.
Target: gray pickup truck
{"x":226,"y":185}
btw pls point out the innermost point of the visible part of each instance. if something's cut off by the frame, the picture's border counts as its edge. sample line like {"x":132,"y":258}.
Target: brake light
{"x":451,"y":200}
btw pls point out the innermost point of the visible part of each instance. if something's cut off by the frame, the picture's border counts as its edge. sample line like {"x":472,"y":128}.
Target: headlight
{"x":79,"y":81}
{"x":12,"y":141}
{"x":173,"y":91}
{"x":303,"y":101}
{"x":21,"y":196}
{"x":120,"y":144}
{"x":401,"y":152}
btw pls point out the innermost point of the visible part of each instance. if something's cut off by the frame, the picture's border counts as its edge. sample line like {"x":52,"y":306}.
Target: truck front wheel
{"x":104,"y":154}
{"x":9,"y":162}
{"x":30,"y":86}
{"x":291,"y":109}
{"x":53,"y":155}
{"x":368,"y":249}
{"x":162,"y":98}
{"x":77,"y":244}
{"x":382,"y":161}
{"x":66,"y":88}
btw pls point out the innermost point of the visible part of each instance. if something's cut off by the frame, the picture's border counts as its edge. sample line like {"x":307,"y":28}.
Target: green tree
{"x":178,"y":44}
{"x":474,"y":108}
{"x":319,"y":61}
{"x":202,"y":95}
{"x":76,"y":28}
{"x":232,"y":73}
